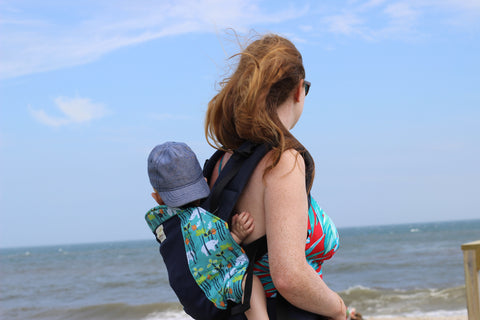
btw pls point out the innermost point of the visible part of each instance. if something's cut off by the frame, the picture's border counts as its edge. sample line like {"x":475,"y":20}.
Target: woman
{"x":261,"y":101}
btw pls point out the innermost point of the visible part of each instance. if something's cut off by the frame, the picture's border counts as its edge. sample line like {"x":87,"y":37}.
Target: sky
{"x":88,"y":88}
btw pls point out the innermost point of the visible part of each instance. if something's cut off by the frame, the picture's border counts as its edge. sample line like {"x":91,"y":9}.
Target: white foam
{"x":168,"y":315}
{"x":437,"y":313}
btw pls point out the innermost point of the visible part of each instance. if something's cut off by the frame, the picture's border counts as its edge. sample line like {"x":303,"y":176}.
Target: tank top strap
{"x":220,"y":164}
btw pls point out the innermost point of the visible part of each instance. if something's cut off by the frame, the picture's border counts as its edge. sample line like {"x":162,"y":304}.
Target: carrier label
{"x":160,"y":234}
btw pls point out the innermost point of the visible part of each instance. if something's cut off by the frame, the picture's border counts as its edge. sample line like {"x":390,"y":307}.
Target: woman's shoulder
{"x":288,"y":157}
{"x":290,"y":161}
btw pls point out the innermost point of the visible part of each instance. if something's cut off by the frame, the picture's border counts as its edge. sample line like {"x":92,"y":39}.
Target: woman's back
{"x":251,"y":199}
{"x":260,"y":185}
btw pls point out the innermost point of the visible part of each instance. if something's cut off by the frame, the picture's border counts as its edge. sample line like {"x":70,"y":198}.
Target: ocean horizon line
{"x":115,"y":241}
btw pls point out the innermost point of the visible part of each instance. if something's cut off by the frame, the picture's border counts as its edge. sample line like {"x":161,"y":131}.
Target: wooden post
{"x":471,"y":263}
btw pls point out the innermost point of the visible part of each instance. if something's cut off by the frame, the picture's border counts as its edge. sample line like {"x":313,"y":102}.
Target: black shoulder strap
{"x":221,"y":201}
{"x":225,"y":193}
{"x":254,"y":250}
{"x":233,"y":178}
{"x":210,"y":164}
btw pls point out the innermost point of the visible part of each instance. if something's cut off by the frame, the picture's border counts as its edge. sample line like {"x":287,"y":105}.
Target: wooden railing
{"x":471,"y":262}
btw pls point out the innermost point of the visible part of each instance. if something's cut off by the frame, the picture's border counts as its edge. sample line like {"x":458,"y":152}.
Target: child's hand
{"x":352,"y":314}
{"x":242,"y":226}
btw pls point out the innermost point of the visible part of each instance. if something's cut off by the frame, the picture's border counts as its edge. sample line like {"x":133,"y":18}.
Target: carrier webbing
{"x":225,"y":193}
{"x":233,"y":178}
{"x":222,"y":200}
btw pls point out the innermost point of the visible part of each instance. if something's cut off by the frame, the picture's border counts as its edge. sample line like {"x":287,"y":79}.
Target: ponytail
{"x":268,"y":72}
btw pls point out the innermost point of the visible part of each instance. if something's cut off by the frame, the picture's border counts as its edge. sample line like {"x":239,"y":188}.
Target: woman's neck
{"x":286,"y":114}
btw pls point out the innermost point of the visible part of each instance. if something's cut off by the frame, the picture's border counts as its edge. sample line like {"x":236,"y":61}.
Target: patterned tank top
{"x":322,"y":242}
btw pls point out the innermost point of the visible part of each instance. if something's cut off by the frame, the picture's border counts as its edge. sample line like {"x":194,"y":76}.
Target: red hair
{"x":269,"y":71}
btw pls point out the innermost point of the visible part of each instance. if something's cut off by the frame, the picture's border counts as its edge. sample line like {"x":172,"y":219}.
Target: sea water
{"x":414,"y":269}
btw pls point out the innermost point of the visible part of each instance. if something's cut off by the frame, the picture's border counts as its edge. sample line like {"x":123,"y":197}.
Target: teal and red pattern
{"x":217,"y":263}
{"x":322,"y":242}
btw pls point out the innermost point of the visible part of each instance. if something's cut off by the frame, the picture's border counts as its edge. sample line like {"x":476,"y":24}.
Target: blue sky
{"x":87,"y":88}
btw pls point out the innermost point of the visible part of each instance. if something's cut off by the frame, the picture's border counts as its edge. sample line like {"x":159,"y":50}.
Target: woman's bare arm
{"x":286,"y":207}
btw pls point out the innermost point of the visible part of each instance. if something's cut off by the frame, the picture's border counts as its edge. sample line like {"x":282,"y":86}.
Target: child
{"x":214,"y":255}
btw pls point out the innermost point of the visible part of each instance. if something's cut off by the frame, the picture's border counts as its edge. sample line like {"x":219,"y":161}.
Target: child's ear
{"x":157,"y":198}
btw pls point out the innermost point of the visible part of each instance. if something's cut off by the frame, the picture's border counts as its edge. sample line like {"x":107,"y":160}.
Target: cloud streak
{"x":40,"y":36}
{"x":73,"y":110}
{"x":345,"y":24}
{"x":36,"y":38}
{"x":405,"y":19}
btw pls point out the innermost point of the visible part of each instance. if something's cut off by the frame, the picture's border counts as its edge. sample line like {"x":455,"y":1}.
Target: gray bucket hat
{"x":175,"y":173}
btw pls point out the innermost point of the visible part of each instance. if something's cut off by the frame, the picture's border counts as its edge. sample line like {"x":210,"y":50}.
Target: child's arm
{"x":242,"y":226}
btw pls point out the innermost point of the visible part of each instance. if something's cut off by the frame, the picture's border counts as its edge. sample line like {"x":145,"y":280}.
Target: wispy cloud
{"x":39,"y":37}
{"x":73,"y":110}
{"x":401,"y":11}
{"x":371,"y":3}
{"x":345,"y":24}
{"x":386,"y":19}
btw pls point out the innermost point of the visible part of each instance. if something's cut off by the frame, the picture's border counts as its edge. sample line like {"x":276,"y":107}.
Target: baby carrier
{"x":221,"y":202}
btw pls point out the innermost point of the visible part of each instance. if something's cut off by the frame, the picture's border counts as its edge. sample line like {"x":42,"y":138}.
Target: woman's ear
{"x":298,"y":91}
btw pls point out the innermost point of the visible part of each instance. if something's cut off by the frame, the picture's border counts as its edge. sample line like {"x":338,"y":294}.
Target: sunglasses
{"x":307,"y":85}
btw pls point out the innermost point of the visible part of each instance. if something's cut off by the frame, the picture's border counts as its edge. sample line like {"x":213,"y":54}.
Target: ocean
{"x":397,"y":270}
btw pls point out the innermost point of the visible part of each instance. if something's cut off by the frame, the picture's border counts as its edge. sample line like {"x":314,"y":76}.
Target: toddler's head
{"x":176,"y":174}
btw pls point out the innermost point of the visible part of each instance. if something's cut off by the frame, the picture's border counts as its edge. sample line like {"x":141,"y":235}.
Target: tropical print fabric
{"x":322,"y":242}
{"x":217,"y":263}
